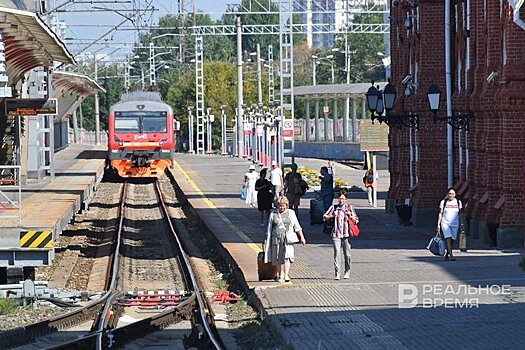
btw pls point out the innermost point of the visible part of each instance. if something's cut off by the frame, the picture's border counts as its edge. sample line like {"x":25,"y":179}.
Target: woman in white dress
{"x":249,"y":182}
{"x":449,"y":220}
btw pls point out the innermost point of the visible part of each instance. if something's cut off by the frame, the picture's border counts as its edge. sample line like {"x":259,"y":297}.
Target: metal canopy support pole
{"x":316,"y":120}
{"x":307,"y":122}
{"x":199,"y":93}
{"x":354,"y":120}
{"x":347,"y":70}
{"x":75,"y":127}
{"x":325,"y":121}
{"x":345,"y":120}
{"x":334,"y":120}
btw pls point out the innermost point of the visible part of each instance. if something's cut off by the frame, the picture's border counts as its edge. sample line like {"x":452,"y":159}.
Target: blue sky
{"x":88,"y":29}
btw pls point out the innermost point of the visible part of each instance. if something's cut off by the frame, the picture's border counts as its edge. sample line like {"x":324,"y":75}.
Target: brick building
{"x":487,"y":55}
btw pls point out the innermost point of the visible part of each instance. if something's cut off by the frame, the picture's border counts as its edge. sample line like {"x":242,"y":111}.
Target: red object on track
{"x":225,"y":297}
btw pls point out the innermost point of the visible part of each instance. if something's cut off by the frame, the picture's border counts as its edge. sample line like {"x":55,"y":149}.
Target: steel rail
{"x":23,"y":335}
{"x":203,"y":310}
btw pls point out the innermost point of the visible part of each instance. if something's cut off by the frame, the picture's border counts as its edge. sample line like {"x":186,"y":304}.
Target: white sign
{"x":326,"y":110}
{"x":287,"y":128}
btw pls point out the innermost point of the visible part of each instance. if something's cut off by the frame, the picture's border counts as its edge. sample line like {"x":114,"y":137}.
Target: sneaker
{"x":347,"y":275}
{"x":277,"y":279}
{"x":337,"y":277}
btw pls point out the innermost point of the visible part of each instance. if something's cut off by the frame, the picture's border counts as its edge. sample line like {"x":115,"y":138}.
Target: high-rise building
{"x":323,"y":18}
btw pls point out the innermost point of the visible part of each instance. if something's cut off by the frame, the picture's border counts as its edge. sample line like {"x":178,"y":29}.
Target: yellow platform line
{"x":212,"y":206}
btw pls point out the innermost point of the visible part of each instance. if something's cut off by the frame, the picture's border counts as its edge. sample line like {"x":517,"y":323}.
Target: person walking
{"x":341,"y":214}
{"x":449,"y":220}
{"x":276,"y":178}
{"x":331,"y":168}
{"x":370,"y":185}
{"x":249,"y":182}
{"x":292,"y":188}
{"x":279,"y":249}
{"x":264,"y":190}
{"x":327,"y":188}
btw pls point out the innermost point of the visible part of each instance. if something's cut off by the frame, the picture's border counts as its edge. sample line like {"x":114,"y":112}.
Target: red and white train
{"x":141,"y":135}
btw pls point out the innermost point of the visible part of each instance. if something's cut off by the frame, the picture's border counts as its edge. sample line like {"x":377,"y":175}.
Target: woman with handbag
{"x":345,"y":226}
{"x":283,"y":231}
{"x":449,"y":221}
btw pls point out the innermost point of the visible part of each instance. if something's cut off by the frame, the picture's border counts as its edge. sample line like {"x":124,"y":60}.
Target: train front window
{"x":126,"y":124}
{"x":141,"y":121}
{"x":154,"y":124}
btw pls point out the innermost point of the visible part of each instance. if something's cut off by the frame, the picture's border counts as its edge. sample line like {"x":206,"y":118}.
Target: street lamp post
{"x":316,"y":110}
{"x":223,"y":131}
{"x":209,"y":120}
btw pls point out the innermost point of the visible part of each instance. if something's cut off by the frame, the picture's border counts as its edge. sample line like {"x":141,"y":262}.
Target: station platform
{"x":48,"y":206}
{"x":398,"y":296}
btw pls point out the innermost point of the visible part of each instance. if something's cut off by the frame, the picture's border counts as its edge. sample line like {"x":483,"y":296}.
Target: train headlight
{"x":163,"y":141}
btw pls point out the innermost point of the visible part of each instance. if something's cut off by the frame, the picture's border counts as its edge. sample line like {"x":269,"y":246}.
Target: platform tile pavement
{"x":316,"y":312}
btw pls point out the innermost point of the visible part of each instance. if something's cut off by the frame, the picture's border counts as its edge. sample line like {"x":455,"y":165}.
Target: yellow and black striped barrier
{"x":36,"y":239}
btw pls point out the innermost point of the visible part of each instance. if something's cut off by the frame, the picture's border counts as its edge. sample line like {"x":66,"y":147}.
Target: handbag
{"x":437,"y":245}
{"x":291,"y":236}
{"x":433,"y":245}
{"x":243,"y":193}
{"x":354,"y":229}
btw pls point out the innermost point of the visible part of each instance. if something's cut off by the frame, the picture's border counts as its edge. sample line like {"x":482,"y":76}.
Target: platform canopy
{"x":70,"y":89}
{"x":28,"y":43}
{"x":334,"y":90}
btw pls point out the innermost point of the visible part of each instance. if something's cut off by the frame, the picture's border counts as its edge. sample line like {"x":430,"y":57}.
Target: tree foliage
{"x":174,"y":46}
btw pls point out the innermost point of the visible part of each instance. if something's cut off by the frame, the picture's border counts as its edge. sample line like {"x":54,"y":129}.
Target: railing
{"x":10,"y":193}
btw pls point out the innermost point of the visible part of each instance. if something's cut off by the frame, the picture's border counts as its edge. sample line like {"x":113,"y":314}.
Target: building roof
{"x":70,"y":89}
{"x":29,"y":43}
{"x":334,"y":90}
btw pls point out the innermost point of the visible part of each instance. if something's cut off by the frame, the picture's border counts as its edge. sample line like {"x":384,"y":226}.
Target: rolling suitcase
{"x":316,"y":212}
{"x":266,"y":271}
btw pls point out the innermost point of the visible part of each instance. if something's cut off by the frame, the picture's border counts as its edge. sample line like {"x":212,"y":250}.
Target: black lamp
{"x":379,"y":101}
{"x":434,"y":98}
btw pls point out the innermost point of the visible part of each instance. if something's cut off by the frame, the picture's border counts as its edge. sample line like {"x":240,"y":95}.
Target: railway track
{"x":150,"y":285}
